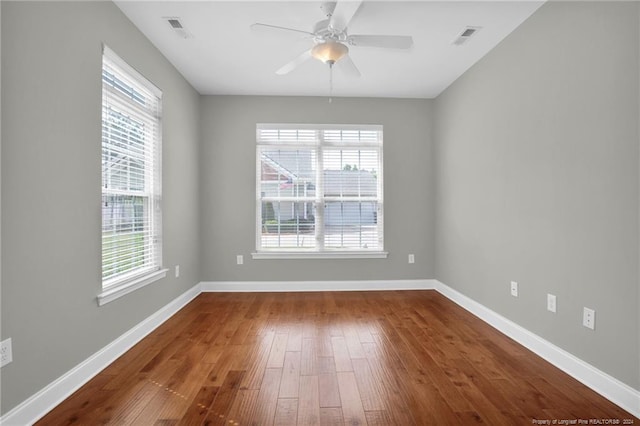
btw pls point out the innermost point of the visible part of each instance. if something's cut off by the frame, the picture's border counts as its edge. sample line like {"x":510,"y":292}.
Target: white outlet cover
{"x":551,"y":302}
{"x":177,"y":271}
{"x":6,"y":353}
{"x":412,"y":258}
{"x":514,"y":289}
{"x":589,"y":318}
{"x":240,"y":259}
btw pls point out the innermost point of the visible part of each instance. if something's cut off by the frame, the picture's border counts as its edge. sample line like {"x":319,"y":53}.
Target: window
{"x":319,"y":191}
{"x":131,"y":190}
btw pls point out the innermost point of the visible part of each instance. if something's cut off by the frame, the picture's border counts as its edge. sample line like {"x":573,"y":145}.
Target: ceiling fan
{"x":332,"y":40}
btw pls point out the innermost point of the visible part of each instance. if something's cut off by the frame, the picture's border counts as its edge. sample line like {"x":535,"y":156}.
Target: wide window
{"x":319,"y":191}
{"x":131,"y":191}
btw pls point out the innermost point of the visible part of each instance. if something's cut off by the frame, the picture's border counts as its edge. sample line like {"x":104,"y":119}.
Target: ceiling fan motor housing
{"x":322,"y":31}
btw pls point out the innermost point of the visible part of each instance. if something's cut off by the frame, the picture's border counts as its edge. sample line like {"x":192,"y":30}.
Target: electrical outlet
{"x":177,"y":271}
{"x":589,"y":318}
{"x":6,"y":354}
{"x":412,"y":258}
{"x":551,"y":302}
{"x":514,"y":289}
{"x":240,"y":259}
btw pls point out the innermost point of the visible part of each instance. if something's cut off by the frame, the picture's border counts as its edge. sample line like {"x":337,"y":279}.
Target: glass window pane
{"x":124,"y":234}
{"x":351,"y":225}
{"x":350,"y":173}
{"x":288,"y":224}
{"x":287,"y":173}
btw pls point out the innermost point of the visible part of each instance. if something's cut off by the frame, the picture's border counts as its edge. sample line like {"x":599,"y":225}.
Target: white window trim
{"x":141,"y":79}
{"x":138,"y":279}
{"x":116,"y":291}
{"x":317,"y":253}
{"x":342,"y":254}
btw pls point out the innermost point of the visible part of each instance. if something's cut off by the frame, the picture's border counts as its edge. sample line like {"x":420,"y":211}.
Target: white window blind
{"x":319,"y":188}
{"x":131,"y":183}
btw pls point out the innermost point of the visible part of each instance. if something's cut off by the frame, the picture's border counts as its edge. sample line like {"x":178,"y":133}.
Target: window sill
{"x":127,"y":287}
{"x":320,"y":255}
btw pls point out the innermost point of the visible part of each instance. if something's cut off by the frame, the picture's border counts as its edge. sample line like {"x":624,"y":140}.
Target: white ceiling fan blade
{"x":343,"y":13}
{"x":387,"y":41}
{"x":269,"y":27}
{"x":347,"y":67}
{"x":295,"y":63}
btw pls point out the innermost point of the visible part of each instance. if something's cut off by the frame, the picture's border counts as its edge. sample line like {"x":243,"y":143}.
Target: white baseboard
{"x":609,"y":387}
{"x":295,"y":286}
{"x":34,"y":408}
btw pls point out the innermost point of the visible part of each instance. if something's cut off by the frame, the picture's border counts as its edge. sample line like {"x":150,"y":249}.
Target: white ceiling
{"x":226,"y":57}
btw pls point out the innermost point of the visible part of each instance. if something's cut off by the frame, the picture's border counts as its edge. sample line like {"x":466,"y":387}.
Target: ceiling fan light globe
{"x":329,"y":52}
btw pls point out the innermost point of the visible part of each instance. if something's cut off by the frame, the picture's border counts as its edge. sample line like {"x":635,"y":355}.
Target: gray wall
{"x":537,"y":180}
{"x":51,"y":81}
{"x":228,"y":186}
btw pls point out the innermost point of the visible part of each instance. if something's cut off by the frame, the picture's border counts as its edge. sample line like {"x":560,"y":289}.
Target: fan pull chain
{"x":330,"y":83}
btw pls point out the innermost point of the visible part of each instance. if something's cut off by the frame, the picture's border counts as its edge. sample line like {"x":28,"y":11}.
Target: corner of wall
{"x":638,"y":310}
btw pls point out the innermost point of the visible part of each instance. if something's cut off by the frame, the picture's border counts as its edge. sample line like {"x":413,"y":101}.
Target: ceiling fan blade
{"x":260,"y":26}
{"x":343,"y":13}
{"x":387,"y":41}
{"x":295,"y":63}
{"x":347,"y":67}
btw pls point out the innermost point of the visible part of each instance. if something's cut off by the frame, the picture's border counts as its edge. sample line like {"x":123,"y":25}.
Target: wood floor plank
{"x":350,"y":398}
{"x":324,"y":347}
{"x":294,"y":341}
{"x":341,"y":355}
{"x":241,"y":332}
{"x":331,"y":417}
{"x":394,"y":393}
{"x":323,"y":358}
{"x":127,"y":406}
{"x":325,"y":364}
{"x":352,"y":339}
{"x":309,"y":401}
{"x":378,"y":418}
{"x":179,"y":390}
{"x":308,"y":358}
{"x":368,"y":387}
{"x":286,"y":412}
{"x":219,"y":410}
{"x":268,"y":397}
{"x":243,"y":407}
{"x":127,"y":402}
{"x":257,"y":362}
{"x":276,"y":357}
{"x":290,"y":382}
{"x":199,"y":408}
{"x":165,"y":422}
{"x":329,"y":391}
{"x":222,"y":367}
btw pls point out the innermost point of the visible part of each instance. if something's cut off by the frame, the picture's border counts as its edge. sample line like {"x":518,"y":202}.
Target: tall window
{"x":131,"y":192}
{"x":319,"y":189}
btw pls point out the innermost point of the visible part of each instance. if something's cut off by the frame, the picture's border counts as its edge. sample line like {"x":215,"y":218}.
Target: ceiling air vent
{"x":174,"y":23}
{"x":177,"y":26}
{"x":465,"y":35}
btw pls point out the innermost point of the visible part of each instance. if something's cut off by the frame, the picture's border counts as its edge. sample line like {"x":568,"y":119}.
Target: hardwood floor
{"x":356,"y":358}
